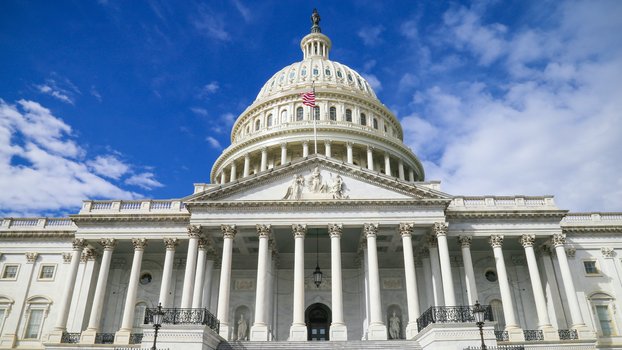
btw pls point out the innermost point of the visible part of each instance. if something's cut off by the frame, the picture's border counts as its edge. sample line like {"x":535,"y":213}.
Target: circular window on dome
{"x":491,"y":275}
{"x":145,"y":278}
{"x":339,"y":74}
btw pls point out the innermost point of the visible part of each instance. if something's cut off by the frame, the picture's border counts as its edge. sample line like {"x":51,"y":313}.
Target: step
{"x":322,"y":345}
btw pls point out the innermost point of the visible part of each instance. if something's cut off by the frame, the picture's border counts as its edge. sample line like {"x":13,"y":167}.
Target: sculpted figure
{"x":242,"y":328}
{"x":295,"y":188}
{"x":337,"y":188}
{"x":315,"y":181}
{"x":394,"y":327}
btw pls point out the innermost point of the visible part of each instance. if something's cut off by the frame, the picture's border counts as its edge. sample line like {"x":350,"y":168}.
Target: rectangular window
{"x":604,"y":318}
{"x":590,"y":267}
{"x":9,"y":272}
{"x":47,"y":272}
{"x":34,"y":324}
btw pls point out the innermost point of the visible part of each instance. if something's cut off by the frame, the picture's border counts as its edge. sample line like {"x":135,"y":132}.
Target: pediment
{"x":317,"y":179}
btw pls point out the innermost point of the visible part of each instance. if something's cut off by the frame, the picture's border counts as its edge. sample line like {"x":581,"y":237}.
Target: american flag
{"x":308,"y":98}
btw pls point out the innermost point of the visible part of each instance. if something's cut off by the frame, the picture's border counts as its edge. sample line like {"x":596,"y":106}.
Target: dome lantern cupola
{"x":315,"y":44}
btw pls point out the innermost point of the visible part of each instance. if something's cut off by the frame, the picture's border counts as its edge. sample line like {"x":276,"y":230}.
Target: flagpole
{"x":313,"y":116}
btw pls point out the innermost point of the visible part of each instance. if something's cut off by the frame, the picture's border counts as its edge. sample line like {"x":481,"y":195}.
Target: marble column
{"x":264,"y":159}
{"x":327,"y":148}
{"x":259,"y":330}
{"x":387,"y":164}
{"x":197,"y":294}
{"x":427,"y":277}
{"x":89,"y":335}
{"x":233,"y":174}
{"x":209,"y":276}
{"x":349,"y":157}
{"x":167,"y":272}
{"x":437,"y":284}
{"x":400,"y":169}
{"x":338,"y":329}
{"x":305,"y":149}
{"x":370,"y":158}
{"x":412,"y":297}
{"x":298,"y":329}
{"x":544,"y":323}
{"x":469,"y":274}
{"x":228,"y":233}
{"x":283,"y":152}
{"x":194,"y":233}
{"x":223,"y":177}
{"x":123,"y":335}
{"x":411,"y":175}
{"x":65,"y":303}
{"x":440,"y":230}
{"x":247,"y":165}
{"x":377,"y":329}
{"x":558,"y":241}
{"x":515,"y":333}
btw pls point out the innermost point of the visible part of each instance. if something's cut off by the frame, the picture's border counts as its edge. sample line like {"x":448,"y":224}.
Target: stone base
{"x":182,"y":337}
{"x":338,"y":332}
{"x":411,"y":330}
{"x":224,"y":331}
{"x":122,"y":337}
{"x":583,"y":332}
{"x":55,"y":336}
{"x":515,"y":333}
{"x":454,"y":336}
{"x":88,"y":336}
{"x":7,"y":341}
{"x":298,"y":332}
{"x":377,"y":331}
{"x":259,"y":332}
{"x":549,"y":333}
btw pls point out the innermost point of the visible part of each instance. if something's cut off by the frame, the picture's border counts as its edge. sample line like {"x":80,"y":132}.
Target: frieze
{"x":315,"y":186}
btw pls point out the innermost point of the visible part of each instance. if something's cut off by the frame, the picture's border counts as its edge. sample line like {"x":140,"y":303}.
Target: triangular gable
{"x":317,"y":178}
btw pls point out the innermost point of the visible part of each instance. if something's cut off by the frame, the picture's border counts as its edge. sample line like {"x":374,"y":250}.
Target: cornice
{"x":79,"y":218}
{"x":38,"y":234}
{"x":496,"y":213}
{"x":592,"y":229}
{"x":332,"y":203}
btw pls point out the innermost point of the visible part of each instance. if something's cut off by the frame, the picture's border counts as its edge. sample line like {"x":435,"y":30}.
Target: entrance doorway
{"x":318,"y":319}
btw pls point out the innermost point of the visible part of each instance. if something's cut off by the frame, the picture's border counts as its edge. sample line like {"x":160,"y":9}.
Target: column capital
{"x":327,"y":142}
{"x":406,"y":228}
{"x":88,"y":254}
{"x":283,"y":144}
{"x":31,"y":257}
{"x":299,"y":230}
{"x":370,"y":230}
{"x":335,"y":230}
{"x":527,"y":240}
{"x":432,"y":242}
{"x":194,"y":231}
{"x":78,"y":243}
{"x":170,"y":243}
{"x":440,"y":229}
{"x":139,"y":243}
{"x":203,"y":243}
{"x":370,"y":148}
{"x":228,"y":231}
{"x":349,"y":143}
{"x":108,"y":243}
{"x":558,"y":239}
{"x":496,"y":241}
{"x":465,"y":241}
{"x":607,"y":252}
{"x":247,"y":155}
{"x":263,"y":231}
{"x":305,"y":142}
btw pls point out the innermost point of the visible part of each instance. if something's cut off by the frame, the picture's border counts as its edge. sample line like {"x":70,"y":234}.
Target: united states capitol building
{"x":318,"y":224}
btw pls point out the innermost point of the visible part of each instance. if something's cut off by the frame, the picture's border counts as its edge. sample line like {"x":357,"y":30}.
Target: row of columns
{"x":263,"y":165}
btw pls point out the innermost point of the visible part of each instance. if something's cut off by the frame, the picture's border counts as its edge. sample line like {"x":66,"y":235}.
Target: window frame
{"x":36,"y":303}
{"x":348,"y":116}
{"x":596,"y":266}
{"x":603,"y":299}
{"x":4,"y":268}
{"x":46,"y":279}
{"x":300,"y":114}
{"x":363,"y":119}
{"x":332,"y":113}
{"x":316,"y":113}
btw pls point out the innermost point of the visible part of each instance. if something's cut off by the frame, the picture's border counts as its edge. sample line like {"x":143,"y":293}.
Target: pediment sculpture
{"x":316,"y":186}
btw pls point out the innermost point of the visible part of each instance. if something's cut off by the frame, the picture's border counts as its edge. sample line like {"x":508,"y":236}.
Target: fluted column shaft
{"x":228,"y":232}
{"x":197,"y":294}
{"x":496,"y":241}
{"x":349,"y":157}
{"x":440,"y":229}
{"x":412,"y":298}
{"x":259,"y":331}
{"x":387,"y":164}
{"x":536,"y":285}
{"x":167,"y":271}
{"x":264,"y":159}
{"x":132,"y":288}
{"x":298,"y":329}
{"x":194,"y":232}
{"x":305,"y":149}
{"x":370,"y":158}
{"x":437,"y":284}
{"x":283,"y":153}
{"x":234,"y":170}
{"x":209,"y":276}
{"x":465,"y":245}
{"x":63,"y":310}
{"x":571,"y":294}
{"x":247,"y":165}
{"x":377,"y":329}
{"x":102,"y":282}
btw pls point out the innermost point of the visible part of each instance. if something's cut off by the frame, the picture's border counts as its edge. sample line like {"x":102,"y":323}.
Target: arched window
{"x":602,"y":305}
{"x":299,"y":114}
{"x":257,"y":124}
{"x":316,"y":112}
{"x":375,"y":122}
{"x":284,"y":116}
{"x":363,"y":119}
{"x":333,"y":113}
{"x":5,"y":308}
{"x":348,"y":115}
{"x":269,"y":121}
{"x":36,"y":312}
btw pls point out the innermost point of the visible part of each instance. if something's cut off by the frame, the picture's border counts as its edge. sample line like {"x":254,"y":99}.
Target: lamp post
{"x":479,"y":312}
{"x":157,"y":323}
{"x":317,"y":274}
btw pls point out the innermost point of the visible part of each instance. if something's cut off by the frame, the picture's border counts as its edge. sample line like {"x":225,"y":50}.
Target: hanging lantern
{"x":317,"y":276}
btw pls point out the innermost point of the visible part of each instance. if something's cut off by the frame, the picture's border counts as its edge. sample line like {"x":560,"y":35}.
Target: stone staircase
{"x":322,"y":345}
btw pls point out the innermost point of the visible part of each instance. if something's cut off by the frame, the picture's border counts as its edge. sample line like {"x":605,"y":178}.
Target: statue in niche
{"x":395,"y":326}
{"x":315,"y":181}
{"x":295,"y":188}
{"x":242,"y":328}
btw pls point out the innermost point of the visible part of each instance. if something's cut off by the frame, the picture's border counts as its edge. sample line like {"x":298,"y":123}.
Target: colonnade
{"x":200,"y":264}
{"x":259,"y":160}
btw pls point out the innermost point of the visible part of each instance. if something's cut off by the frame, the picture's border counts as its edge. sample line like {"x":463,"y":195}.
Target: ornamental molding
{"x":108,"y":243}
{"x":81,"y":218}
{"x":66,"y":257}
{"x":465,"y":241}
{"x":295,"y":206}
{"x":440,"y":229}
{"x":228,"y":231}
{"x":263,"y":231}
{"x":592,"y":229}
{"x":370,"y":229}
{"x":139,"y":243}
{"x":194,"y":231}
{"x":571,"y":252}
{"x":335,"y":230}
{"x":493,"y":212}
{"x":527,"y":240}
{"x":496,"y":241}
{"x":38,"y":234}
{"x":406,"y":228}
{"x":558,"y":239}
{"x":78,"y":243}
{"x":31,"y":257}
{"x":608,"y":252}
{"x":170,"y":243}
{"x":299,"y":230}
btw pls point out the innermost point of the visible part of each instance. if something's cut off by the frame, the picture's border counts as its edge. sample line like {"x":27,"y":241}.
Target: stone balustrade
{"x":592,"y":218}
{"x":502,"y":202}
{"x":144,"y":206}
{"x":15,"y":224}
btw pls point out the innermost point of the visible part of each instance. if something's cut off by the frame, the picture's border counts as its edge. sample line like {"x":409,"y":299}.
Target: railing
{"x":130,"y":205}
{"x":502,"y":336}
{"x":533,"y":334}
{"x":136,"y":338}
{"x":450,"y":314}
{"x":70,"y":338}
{"x":502,"y":202}
{"x":101,"y":205}
{"x":185,"y":316}
{"x":500,"y":347}
{"x":104,"y":338}
{"x":161,"y":205}
{"x":581,"y":218}
{"x":568,"y":334}
{"x":58,"y":222}
{"x":24,"y":222}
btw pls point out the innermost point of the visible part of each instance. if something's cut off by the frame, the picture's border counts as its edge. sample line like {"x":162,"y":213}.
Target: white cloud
{"x":199,"y":111}
{"x":371,"y":35}
{"x":373,"y":81}
{"x":108,"y":166}
{"x":96,"y":93}
{"x":145,"y":180}
{"x":211,"y":25}
{"x":58,"y":87}
{"x":243,"y":10}
{"x":213,"y":142}
{"x":209,"y":89}
{"x":42,"y":168}
{"x":409,"y":29}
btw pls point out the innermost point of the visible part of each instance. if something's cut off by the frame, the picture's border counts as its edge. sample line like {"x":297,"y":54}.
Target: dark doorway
{"x":318,"y":318}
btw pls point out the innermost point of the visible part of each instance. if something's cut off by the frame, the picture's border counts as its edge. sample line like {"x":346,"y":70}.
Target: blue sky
{"x":135,"y":99}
